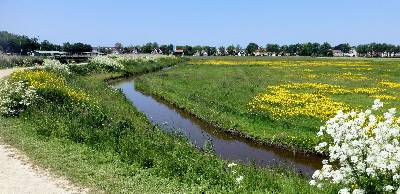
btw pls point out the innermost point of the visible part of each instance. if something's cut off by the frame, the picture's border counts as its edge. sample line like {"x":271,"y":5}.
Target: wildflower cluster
{"x":353,"y":76}
{"x":50,"y":85}
{"x":107,"y":63}
{"x":15,"y":97}
{"x":140,"y":58}
{"x":56,"y":66}
{"x":368,"y":90}
{"x":284,"y":101}
{"x":364,"y":151}
{"x":290,"y":63}
{"x":385,"y":97}
{"x":390,"y":84}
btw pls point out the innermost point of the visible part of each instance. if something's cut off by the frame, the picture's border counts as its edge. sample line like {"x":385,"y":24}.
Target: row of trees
{"x":305,"y":49}
{"x":17,"y":44}
{"x":377,"y":50}
{"x":11,"y":43}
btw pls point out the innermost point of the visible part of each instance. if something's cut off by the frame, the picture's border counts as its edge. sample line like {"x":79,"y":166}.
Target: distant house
{"x":337,"y":53}
{"x":221,"y":52}
{"x":351,"y":53}
{"x":260,"y":52}
{"x":157,"y":51}
{"x":241,"y":53}
{"x":196,"y":54}
{"x":179,"y":52}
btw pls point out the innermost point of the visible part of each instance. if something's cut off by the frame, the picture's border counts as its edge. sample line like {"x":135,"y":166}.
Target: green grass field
{"x":277,"y":100}
{"x":110,"y":147}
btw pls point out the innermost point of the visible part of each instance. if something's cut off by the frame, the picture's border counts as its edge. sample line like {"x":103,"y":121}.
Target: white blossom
{"x":239,"y":179}
{"x":106,"y":62}
{"x":362,"y":146}
{"x":56,"y":66}
{"x":230,"y":165}
{"x":15,"y":97}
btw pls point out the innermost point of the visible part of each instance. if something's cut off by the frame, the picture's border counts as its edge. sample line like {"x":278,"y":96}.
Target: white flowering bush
{"x":15,"y":97}
{"x":107,"y":63}
{"x":140,"y":58}
{"x":364,"y":151}
{"x":56,"y":66}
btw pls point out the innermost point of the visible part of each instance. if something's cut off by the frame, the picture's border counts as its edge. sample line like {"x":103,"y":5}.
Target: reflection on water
{"x":227,"y":146}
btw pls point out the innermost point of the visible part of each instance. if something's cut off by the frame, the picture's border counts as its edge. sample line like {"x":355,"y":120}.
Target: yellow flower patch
{"x":47,"y":81}
{"x":367,"y":90}
{"x":353,"y":76}
{"x":310,"y":76}
{"x":359,"y":68}
{"x":280,"y":62}
{"x":384,"y":97}
{"x":317,"y":87}
{"x":390,"y":84}
{"x":285,"y":101}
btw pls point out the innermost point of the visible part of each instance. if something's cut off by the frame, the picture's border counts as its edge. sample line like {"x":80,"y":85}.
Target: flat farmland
{"x":282,"y":101}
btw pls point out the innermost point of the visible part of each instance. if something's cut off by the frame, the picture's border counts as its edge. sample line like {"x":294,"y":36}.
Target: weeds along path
{"x":17,"y":175}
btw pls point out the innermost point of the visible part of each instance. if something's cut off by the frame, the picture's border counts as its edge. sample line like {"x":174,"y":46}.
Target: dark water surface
{"x":228,"y":146}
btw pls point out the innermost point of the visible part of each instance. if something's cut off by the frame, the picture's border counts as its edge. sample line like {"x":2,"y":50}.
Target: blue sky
{"x":205,"y":22}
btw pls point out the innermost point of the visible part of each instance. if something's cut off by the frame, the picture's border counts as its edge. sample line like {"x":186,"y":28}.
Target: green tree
{"x":222,"y":50}
{"x":345,"y":48}
{"x":231,"y":50}
{"x":167,"y":49}
{"x":149,"y":47}
{"x":47,"y":46}
{"x":119,"y":47}
{"x":273,"y":48}
{"x":212,"y":51}
{"x":326,"y":50}
{"x":251,"y":48}
{"x":362,"y":49}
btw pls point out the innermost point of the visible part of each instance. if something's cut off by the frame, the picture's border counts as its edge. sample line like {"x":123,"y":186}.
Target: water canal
{"x":228,"y":146}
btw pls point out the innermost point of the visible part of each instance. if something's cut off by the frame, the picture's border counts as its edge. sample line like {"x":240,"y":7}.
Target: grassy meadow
{"x":83,"y":129}
{"x":278,"y":100}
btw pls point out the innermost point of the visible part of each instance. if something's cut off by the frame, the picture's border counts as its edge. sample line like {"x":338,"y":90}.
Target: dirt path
{"x":17,"y":175}
{"x":6,"y":72}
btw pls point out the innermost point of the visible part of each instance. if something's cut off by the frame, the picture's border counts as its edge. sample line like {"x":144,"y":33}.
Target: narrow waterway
{"x":226,"y":145}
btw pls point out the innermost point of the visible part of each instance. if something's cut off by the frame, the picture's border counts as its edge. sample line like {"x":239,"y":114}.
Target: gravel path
{"x":17,"y":175}
{"x":6,"y":72}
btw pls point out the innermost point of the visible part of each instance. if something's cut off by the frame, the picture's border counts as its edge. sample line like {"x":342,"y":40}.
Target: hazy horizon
{"x":103,"y":23}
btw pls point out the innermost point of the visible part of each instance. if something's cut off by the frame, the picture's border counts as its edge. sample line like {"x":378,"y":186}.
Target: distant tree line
{"x":377,"y":50}
{"x":17,"y":44}
{"x":305,"y":49}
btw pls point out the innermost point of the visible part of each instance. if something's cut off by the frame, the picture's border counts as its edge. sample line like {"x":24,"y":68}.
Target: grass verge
{"x":220,"y":90}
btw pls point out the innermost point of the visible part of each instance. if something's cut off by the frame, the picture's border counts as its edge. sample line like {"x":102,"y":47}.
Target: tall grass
{"x":7,"y":61}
